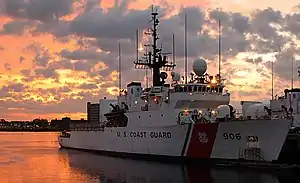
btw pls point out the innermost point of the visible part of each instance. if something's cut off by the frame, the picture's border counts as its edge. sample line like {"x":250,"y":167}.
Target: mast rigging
{"x":155,"y":59}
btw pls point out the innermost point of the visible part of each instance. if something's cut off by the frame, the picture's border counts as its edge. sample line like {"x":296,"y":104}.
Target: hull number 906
{"x":232,"y":136}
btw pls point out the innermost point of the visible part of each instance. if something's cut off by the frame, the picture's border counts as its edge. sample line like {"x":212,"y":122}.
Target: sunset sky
{"x":56,"y":55}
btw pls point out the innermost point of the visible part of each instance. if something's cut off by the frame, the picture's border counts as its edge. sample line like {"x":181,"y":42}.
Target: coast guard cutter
{"x":190,"y":119}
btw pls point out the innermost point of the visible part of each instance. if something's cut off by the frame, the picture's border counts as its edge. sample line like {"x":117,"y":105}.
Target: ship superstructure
{"x":182,"y":119}
{"x":287,"y":105}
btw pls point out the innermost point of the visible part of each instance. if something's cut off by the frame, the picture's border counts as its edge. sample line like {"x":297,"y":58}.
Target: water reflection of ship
{"x":117,"y":170}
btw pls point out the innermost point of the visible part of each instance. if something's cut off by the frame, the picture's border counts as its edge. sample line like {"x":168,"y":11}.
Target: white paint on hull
{"x":108,"y":140}
{"x":271,"y":135}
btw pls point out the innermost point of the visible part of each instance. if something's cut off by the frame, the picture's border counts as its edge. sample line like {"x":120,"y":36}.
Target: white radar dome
{"x":199,"y":67}
{"x":175,"y":76}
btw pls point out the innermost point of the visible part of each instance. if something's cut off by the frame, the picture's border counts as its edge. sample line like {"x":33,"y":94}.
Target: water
{"x":36,"y":158}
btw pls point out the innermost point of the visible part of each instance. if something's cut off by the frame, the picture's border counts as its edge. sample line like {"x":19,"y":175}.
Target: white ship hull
{"x":228,"y":140}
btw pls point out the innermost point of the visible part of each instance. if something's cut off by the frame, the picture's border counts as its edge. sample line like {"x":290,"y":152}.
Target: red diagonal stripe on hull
{"x":202,"y":140}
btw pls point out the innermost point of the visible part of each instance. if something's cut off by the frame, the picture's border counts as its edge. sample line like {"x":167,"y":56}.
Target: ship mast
{"x":155,"y":59}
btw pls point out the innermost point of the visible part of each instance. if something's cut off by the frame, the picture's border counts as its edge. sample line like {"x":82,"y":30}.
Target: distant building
{"x":65,"y":122}
{"x":93,"y":111}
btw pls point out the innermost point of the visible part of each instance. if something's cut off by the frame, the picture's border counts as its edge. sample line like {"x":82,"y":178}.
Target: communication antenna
{"x":147,"y":83}
{"x":120,"y":82}
{"x":137,"y":44}
{"x":137,"y":51}
{"x":272,"y":80}
{"x":156,"y":59}
{"x":185,"y":48}
{"x":146,"y":57}
{"x":173,"y":49}
{"x":220,"y":49}
{"x":292,"y":84}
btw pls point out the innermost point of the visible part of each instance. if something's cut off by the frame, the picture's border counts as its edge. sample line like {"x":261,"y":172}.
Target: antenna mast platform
{"x":155,"y":59}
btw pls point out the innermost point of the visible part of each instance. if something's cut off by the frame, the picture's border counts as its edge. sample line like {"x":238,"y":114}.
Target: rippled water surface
{"x":36,"y":158}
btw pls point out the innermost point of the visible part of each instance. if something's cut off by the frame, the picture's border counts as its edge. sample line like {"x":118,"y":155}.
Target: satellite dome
{"x":199,"y":67}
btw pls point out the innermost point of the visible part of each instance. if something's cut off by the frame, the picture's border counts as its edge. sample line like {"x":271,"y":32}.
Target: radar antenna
{"x":155,"y":59}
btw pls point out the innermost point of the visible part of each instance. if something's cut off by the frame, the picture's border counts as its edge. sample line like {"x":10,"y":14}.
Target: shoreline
{"x":31,"y":130}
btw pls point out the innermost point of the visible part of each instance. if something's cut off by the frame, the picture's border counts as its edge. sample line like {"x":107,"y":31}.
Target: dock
{"x":261,"y":165}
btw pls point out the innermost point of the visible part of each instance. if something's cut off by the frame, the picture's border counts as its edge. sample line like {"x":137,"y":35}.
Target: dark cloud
{"x":292,"y":23}
{"x":17,"y":87}
{"x":25,"y":72}
{"x":113,"y":24}
{"x":89,"y":86}
{"x":283,"y":64}
{"x":42,"y":59}
{"x":4,"y":92}
{"x":89,"y":54}
{"x":42,"y":56}
{"x":61,"y":64}
{"x":13,"y":87}
{"x":41,"y":10}
{"x":257,"y":33}
{"x":46,"y":73}
{"x":7,"y":66}
{"x":22,"y":59}
{"x":16,"y":27}
{"x":86,"y":59}
{"x":59,"y":28}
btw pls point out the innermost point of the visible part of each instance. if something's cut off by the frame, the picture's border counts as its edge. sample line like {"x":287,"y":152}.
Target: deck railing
{"x":87,"y":127}
{"x":252,"y":154}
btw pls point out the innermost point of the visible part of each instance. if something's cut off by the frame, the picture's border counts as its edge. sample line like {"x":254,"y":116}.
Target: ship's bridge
{"x":198,"y":88}
{"x":195,"y":95}
{"x":202,"y":91}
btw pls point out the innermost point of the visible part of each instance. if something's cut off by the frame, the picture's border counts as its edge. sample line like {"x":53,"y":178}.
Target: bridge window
{"x":207,"y":89}
{"x":179,"y":89}
{"x":200,"y":89}
{"x":214,"y":89}
{"x":221,"y":89}
{"x":187,"y":104}
{"x":195,"y":88}
{"x":184,"y":89}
